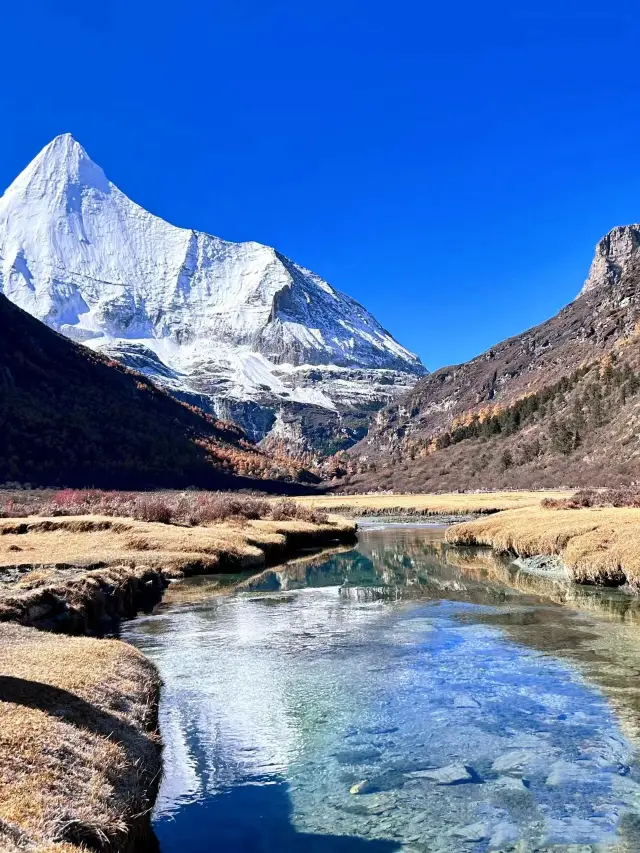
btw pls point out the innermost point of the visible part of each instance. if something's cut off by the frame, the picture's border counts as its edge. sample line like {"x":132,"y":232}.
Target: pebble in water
{"x":452,"y":774}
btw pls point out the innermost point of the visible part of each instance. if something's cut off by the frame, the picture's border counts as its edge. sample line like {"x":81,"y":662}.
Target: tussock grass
{"x":79,"y":752}
{"x":454,"y":503}
{"x":95,"y":542}
{"x":600,"y":546}
{"x":628,"y":496}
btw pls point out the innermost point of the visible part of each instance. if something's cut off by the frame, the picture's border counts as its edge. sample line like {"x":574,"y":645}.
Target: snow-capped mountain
{"x":237,"y":327}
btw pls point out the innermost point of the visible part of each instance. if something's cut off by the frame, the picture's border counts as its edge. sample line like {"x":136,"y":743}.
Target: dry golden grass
{"x":78,"y":748}
{"x":425,"y":504}
{"x":95,"y":541}
{"x":79,"y":573}
{"x":596,"y":545}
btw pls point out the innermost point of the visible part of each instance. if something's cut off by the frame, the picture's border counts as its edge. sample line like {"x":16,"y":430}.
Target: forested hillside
{"x":558,"y":405}
{"x":69,"y":416}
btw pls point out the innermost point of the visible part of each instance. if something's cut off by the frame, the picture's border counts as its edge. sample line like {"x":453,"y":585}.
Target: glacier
{"x":237,"y":328}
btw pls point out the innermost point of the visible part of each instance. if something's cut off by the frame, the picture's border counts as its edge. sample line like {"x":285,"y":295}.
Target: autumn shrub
{"x":150,"y":508}
{"x":624,"y":496}
{"x":207,"y":508}
{"x":187,"y":508}
{"x":286,"y":510}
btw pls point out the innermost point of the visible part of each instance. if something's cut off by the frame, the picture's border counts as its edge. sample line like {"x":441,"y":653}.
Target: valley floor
{"x":79,"y":748}
{"x":453,"y":503}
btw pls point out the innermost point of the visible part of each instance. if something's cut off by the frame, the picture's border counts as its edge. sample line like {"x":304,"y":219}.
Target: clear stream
{"x":402,"y":695}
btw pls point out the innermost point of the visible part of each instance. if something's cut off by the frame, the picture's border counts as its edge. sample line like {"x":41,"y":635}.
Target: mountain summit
{"x":616,"y":253}
{"x":235,"y":327}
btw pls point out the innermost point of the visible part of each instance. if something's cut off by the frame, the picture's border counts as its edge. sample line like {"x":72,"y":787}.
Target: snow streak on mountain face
{"x":247,"y":331}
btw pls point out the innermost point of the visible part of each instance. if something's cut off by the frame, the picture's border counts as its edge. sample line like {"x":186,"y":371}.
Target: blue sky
{"x":451,"y":166}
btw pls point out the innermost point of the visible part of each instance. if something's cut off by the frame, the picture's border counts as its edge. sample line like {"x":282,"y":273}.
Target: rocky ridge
{"x":499,"y":419}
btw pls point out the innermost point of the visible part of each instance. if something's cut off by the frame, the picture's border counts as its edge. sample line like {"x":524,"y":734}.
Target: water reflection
{"x":466,"y":709}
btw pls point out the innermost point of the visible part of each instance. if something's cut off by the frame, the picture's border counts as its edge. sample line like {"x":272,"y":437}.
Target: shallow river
{"x":401,"y":695}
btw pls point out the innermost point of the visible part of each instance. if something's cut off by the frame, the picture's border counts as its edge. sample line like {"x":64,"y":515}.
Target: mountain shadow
{"x":253,"y":818}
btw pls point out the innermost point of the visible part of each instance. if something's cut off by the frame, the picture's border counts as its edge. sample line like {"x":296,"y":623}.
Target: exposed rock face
{"x":584,"y":330}
{"x":614,"y":254}
{"x":236,"y":327}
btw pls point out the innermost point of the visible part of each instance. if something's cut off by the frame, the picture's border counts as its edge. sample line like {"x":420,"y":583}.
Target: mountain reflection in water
{"x":470,"y":710}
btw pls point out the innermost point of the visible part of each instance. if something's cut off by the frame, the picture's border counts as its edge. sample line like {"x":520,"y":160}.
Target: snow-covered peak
{"x":80,"y":255}
{"x":60,"y":164}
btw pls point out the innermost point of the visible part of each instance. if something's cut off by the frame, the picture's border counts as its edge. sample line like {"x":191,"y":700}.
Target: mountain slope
{"x":235,"y":326}
{"x":555,"y":405}
{"x":68,"y":416}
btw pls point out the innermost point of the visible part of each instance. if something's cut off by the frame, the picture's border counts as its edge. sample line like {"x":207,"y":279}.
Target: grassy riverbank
{"x":597,"y":545}
{"x":454,"y":503}
{"x":81,"y":574}
{"x":79,"y":750}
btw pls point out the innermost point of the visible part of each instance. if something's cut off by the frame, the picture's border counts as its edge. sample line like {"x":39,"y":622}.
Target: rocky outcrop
{"x":616,"y":253}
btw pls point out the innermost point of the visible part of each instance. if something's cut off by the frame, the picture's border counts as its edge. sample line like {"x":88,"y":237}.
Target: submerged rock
{"x":380,"y":730}
{"x":503,"y":836}
{"x":510,"y":761}
{"x":510,"y":783}
{"x":363,"y":787}
{"x":565,"y":773}
{"x":452,"y":774}
{"x":473,"y":832}
{"x":357,"y":756}
{"x":465,"y":700}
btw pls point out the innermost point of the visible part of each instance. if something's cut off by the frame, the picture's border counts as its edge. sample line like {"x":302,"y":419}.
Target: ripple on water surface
{"x":315,"y":720}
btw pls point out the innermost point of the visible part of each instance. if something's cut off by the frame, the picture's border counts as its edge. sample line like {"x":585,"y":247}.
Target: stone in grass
{"x":452,"y":774}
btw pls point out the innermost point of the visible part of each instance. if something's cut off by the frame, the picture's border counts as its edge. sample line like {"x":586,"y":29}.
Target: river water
{"x":401,"y":695}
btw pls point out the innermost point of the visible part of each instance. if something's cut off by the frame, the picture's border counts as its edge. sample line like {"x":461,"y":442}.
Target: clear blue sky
{"x":449,"y":165}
